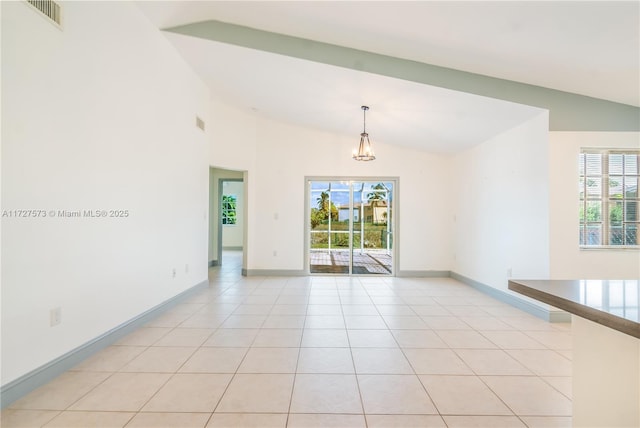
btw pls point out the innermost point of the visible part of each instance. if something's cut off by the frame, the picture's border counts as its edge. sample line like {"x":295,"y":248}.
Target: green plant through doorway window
{"x":229,"y":204}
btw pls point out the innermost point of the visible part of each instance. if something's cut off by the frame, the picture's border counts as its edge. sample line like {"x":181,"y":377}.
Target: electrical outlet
{"x":173,"y":272}
{"x":55,"y":316}
{"x":509,"y":273}
{"x":186,"y":268}
{"x":275,"y":253}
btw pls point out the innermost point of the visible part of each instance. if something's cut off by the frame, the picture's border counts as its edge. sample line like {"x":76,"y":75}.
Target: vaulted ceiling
{"x":591,"y":49}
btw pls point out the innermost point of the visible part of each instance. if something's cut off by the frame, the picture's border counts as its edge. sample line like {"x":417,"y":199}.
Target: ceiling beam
{"x":567,"y":111}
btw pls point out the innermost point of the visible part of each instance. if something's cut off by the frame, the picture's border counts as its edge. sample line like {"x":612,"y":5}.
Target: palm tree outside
{"x":375,"y":198}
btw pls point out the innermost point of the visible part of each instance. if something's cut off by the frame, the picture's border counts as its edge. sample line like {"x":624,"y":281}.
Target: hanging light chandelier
{"x":364,"y":152}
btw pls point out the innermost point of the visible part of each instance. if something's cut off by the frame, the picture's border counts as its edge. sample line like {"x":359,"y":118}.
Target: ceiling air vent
{"x":49,"y":8}
{"x":199,"y":123}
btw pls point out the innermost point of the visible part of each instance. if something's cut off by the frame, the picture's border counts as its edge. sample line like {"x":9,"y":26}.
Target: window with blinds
{"x":608,"y":187}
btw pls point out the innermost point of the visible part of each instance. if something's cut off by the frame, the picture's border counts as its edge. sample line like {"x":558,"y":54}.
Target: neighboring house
{"x":373,"y":212}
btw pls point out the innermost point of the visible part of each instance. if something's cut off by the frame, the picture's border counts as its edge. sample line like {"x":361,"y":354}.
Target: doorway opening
{"x":231,"y":217}
{"x":227,"y":218}
{"x":350,"y":226}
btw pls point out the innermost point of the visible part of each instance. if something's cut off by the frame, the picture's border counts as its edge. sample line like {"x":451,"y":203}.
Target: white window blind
{"x":608,"y":187}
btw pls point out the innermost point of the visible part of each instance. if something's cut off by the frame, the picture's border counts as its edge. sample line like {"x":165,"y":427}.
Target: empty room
{"x":320,"y":214}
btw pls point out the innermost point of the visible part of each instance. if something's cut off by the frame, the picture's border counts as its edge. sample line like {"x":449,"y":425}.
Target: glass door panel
{"x":329,"y":234}
{"x":372,"y":249}
{"x":350,"y":227}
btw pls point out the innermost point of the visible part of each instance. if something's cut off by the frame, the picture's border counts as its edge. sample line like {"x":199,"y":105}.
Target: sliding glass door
{"x":351,"y":226}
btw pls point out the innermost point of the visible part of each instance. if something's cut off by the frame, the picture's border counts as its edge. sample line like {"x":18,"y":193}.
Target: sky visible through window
{"x":340,"y":191}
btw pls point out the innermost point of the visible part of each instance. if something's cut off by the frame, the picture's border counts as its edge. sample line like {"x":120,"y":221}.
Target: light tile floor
{"x":320,"y":352}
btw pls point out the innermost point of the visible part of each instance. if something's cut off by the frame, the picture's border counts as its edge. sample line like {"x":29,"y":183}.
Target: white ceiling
{"x":589,"y":48}
{"x":329,"y":98}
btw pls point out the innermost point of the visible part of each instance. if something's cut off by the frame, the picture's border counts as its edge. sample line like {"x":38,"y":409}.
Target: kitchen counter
{"x":606,"y":346}
{"x":611,"y":303}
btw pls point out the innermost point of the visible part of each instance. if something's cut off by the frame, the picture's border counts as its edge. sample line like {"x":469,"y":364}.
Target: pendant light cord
{"x":364,"y":120}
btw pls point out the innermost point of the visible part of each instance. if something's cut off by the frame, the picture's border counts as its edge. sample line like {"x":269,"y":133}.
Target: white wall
{"x":232,"y":146}
{"x":501,"y":190}
{"x":98,"y":116}
{"x":506,"y":216}
{"x":568,"y":261}
{"x":233,"y":138}
{"x":277,"y":163}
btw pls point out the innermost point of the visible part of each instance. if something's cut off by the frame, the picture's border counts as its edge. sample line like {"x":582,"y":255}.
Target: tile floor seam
{"x":130,"y":419}
{"x":155,"y":393}
{"x":379,"y":292}
{"x":84,"y":395}
{"x":225,"y":390}
{"x":497,"y":395}
{"x":295,"y":374}
{"x":415,"y":373}
{"x":456,"y":351}
{"x":160,"y":338}
{"x":424,"y":387}
{"x":554,"y":387}
{"x":353,"y":362}
{"x":526,"y":333}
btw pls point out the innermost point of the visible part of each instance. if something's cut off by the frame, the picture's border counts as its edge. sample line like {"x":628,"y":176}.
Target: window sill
{"x":610,"y":247}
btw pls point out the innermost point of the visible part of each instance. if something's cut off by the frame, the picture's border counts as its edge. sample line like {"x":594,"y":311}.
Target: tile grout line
{"x":353,"y":362}
{"x":411,"y":365}
{"x":373,"y":287}
{"x":172,"y":374}
{"x":295,"y":374}
{"x":233,"y":376}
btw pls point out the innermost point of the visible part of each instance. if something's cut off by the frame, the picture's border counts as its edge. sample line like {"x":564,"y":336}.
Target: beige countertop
{"x":612,"y":303}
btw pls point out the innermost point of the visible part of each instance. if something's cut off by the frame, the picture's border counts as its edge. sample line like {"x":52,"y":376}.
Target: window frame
{"x":227,"y":208}
{"x":606,"y":201}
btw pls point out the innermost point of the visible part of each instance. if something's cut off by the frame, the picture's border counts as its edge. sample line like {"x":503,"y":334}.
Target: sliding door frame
{"x":394,"y":221}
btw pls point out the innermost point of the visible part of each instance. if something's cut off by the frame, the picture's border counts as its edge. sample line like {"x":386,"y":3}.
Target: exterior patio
{"x":337,"y":262}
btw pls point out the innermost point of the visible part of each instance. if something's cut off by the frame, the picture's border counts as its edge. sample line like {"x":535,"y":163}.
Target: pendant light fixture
{"x":364,"y":152}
